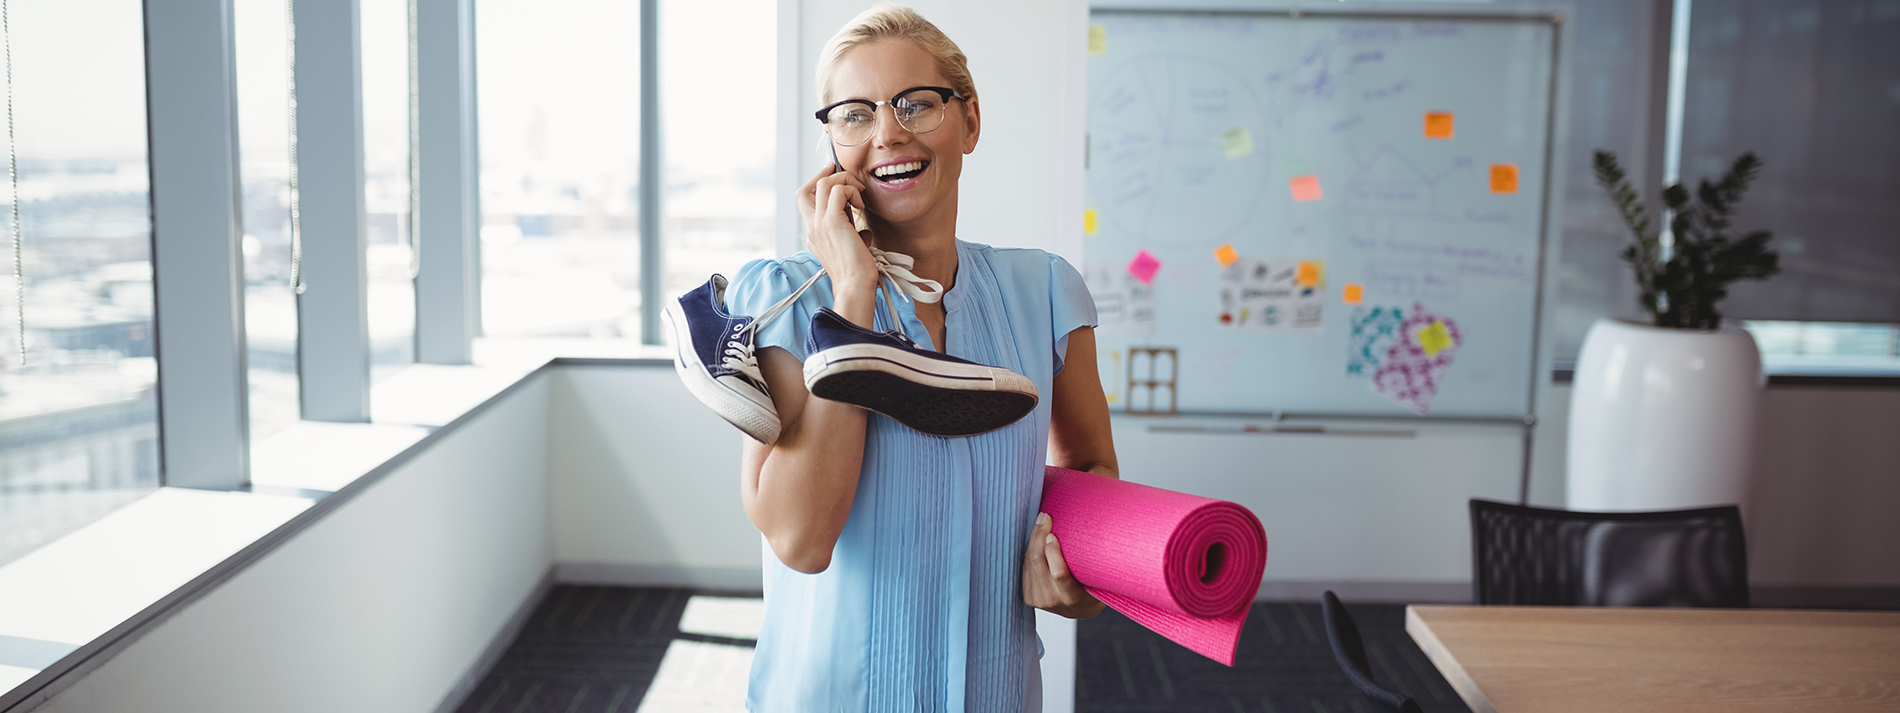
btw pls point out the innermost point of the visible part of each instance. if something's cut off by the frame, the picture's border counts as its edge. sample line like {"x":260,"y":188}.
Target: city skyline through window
{"x":78,"y":420}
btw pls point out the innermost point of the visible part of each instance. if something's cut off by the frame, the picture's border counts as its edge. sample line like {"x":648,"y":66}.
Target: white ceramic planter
{"x":1662,"y":418}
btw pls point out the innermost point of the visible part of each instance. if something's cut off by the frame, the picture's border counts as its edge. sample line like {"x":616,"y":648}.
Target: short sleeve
{"x":762,"y":284}
{"x":1070,"y":305}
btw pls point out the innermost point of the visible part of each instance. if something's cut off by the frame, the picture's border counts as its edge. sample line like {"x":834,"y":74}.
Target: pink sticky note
{"x":1144,"y":267}
{"x":1305,"y":188}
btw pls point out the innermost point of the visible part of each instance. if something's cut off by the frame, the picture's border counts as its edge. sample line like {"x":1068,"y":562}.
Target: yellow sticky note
{"x":1098,"y":40}
{"x":1504,"y":178}
{"x":1236,"y":142}
{"x":1434,"y":338}
{"x":1310,"y":273}
{"x":1088,"y":221}
{"x":1438,"y":125}
{"x":1226,"y":254}
{"x":1305,"y":188}
{"x":1354,"y":293}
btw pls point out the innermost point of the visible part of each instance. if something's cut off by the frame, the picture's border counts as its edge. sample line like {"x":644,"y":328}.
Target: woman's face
{"x":877,"y":72}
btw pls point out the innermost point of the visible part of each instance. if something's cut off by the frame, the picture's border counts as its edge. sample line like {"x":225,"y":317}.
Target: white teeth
{"x":896,"y":168}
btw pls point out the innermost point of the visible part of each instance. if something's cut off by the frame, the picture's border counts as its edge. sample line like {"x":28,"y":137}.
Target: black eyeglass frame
{"x":945,"y":92}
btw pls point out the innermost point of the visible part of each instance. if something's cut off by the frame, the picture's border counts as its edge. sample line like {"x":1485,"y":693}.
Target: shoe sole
{"x":949,"y":400}
{"x":761,"y":423}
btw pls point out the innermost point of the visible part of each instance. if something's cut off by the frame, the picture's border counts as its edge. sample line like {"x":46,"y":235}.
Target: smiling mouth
{"x":900,"y":172}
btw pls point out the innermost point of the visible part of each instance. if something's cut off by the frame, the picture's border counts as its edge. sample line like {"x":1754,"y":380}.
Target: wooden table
{"x":1513,"y":659}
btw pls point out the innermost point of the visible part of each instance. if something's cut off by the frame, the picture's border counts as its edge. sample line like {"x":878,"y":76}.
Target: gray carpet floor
{"x":600,"y":650}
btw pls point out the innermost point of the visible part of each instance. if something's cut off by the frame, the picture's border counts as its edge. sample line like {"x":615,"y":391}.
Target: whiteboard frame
{"x":1549,"y":206}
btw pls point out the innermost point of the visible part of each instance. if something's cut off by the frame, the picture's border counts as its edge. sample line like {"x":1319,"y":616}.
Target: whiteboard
{"x":1338,"y":214}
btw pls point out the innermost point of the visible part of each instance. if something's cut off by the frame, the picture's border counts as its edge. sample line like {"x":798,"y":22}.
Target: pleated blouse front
{"x":921,"y":608}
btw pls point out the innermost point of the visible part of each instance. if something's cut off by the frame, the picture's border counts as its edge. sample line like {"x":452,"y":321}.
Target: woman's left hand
{"x":1047,"y":583}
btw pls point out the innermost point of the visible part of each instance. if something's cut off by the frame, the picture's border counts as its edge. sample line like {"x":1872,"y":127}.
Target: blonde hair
{"x":887,"y":21}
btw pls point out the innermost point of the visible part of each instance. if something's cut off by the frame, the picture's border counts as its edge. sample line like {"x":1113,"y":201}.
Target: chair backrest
{"x":1539,"y":556}
{"x":1350,"y":651}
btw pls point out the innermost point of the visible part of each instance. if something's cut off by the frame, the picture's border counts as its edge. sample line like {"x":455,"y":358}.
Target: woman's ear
{"x":973,"y":118}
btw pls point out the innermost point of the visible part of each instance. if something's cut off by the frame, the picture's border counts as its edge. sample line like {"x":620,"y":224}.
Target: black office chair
{"x":1343,"y":634}
{"x":1539,"y":556}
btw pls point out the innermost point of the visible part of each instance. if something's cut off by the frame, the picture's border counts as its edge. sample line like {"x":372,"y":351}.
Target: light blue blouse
{"x":922,"y":606}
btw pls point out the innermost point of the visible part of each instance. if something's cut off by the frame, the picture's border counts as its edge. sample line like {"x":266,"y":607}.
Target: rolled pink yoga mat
{"x":1184,"y":566}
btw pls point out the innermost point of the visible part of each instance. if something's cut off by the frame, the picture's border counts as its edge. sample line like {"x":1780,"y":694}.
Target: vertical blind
{"x":1813,"y":88}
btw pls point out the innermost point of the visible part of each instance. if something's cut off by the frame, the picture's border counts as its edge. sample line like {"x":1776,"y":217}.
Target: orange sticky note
{"x":1354,"y":293}
{"x":1310,"y":273}
{"x":1305,"y":188}
{"x":1226,"y":255}
{"x":1504,"y":178}
{"x":1088,"y":221}
{"x":1438,"y":125}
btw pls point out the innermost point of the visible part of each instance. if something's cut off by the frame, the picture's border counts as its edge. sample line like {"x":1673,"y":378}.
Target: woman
{"x":897,"y":576}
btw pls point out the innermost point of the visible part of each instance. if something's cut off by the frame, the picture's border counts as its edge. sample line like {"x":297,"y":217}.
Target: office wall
{"x":645,"y":483}
{"x":1023,"y":185}
{"x":382,"y":605}
{"x":645,"y":491}
{"x":615,"y":473}
{"x":1379,"y":517}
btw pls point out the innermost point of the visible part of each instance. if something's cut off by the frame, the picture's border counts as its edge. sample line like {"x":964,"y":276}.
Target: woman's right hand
{"x":826,"y":202}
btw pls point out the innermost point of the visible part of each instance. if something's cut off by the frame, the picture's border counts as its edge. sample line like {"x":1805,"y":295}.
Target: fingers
{"x":840,"y":196}
{"x":1033,"y":558}
{"x":812,"y":198}
{"x":1058,"y":566}
{"x":807,"y":194}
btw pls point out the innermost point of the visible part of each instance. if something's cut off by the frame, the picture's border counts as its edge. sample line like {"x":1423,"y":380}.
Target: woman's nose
{"x":892,"y":132}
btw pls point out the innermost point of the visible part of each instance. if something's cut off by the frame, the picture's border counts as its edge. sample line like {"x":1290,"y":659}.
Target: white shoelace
{"x":741,"y":354}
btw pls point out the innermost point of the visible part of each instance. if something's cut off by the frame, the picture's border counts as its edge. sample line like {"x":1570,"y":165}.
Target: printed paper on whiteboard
{"x":1268,"y":294}
{"x":1123,"y":304}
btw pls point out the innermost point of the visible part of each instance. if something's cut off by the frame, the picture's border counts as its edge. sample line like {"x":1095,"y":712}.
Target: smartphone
{"x":828,"y":151}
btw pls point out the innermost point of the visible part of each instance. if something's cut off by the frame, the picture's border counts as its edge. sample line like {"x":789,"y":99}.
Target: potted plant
{"x":1662,"y":415}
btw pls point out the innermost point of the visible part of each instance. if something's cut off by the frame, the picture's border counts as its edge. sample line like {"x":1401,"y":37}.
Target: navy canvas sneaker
{"x":888,"y":373}
{"x":714,"y":354}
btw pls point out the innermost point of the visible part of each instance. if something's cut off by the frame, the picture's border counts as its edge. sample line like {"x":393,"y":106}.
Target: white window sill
{"x":96,"y":588}
{"x":81,"y":587}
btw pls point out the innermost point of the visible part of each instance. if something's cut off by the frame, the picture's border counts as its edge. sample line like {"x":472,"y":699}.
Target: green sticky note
{"x":1236,"y":142}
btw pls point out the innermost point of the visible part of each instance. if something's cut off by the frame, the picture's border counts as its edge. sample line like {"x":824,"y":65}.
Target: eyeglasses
{"x":918,"y":109}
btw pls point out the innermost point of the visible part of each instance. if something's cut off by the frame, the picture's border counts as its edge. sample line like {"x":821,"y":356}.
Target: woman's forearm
{"x":798,"y":491}
{"x":807,"y":481}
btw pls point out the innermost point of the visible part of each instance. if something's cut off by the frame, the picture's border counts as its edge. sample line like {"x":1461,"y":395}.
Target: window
{"x":270,"y":308}
{"x":1813,"y":88}
{"x":559,"y":91}
{"x":79,"y":420}
{"x":1827,"y":346}
{"x":1613,"y":65}
{"x":718,"y":145}
{"x":392,"y":292}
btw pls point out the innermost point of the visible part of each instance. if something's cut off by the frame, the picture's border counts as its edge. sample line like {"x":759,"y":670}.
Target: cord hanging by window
{"x":415,"y":151}
{"x":296,"y":217}
{"x":13,"y":175}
